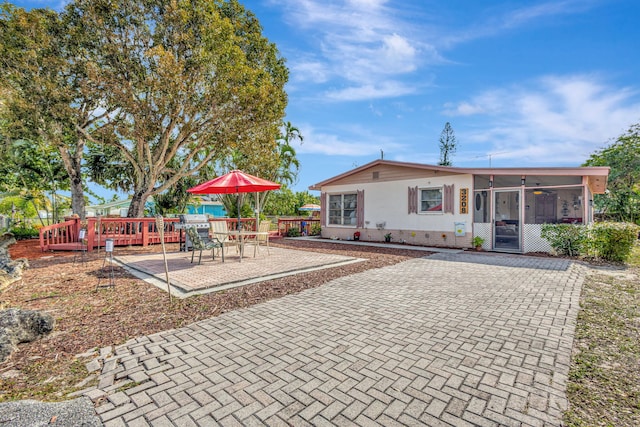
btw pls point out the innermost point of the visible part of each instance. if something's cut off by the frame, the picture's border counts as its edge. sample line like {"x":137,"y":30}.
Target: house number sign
{"x":464,"y":200}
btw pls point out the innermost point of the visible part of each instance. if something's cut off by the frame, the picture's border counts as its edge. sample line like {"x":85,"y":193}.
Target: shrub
{"x":609,"y":241}
{"x":566,"y":239}
{"x":612,"y":241}
{"x":22,"y":233}
{"x":293,"y":232}
{"x":315,"y":229}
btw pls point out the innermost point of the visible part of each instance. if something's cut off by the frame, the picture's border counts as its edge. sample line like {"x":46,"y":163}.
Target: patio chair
{"x":260,"y":239}
{"x":200,"y":244}
{"x":222,"y":228}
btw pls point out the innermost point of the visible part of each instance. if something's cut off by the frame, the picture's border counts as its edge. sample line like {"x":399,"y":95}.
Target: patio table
{"x":241,"y":236}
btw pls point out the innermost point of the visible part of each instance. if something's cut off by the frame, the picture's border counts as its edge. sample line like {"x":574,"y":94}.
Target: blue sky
{"x":535,"y":83}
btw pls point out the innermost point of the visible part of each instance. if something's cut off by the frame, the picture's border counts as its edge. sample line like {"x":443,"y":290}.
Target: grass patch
{"x":604,"y":378}
{"x":49,"y":380}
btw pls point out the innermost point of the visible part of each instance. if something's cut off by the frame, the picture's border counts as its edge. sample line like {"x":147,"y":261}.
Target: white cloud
{"x":505,"y":20}
{"x":384,"y":89}
{"x":314,"y":71}
{"x":361,"y":45}
{"x":555,"y":119}
{"x":354,"y":141}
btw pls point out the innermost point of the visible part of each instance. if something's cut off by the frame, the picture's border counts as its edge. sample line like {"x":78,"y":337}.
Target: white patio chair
{"x":260,"y":239}
{"x":222,"y":228}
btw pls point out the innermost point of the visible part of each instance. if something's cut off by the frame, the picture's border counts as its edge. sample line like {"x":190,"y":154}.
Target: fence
{"x":302,"y":225}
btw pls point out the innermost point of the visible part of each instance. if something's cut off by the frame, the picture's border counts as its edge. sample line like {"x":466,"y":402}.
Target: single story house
{"x":448,"y":206}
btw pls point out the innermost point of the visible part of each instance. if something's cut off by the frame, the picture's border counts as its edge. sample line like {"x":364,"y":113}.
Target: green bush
{"x":612,"y":241}
{"x":21,"y":233}
{"x":293,"y":232}
{"x":609,"y":241}
{"x":566,"y":239}
{"x":315,"y":229}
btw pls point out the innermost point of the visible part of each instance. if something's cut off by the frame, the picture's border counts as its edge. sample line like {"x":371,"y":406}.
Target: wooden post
{"x":145,"y":233}
{"x":160,"y":227}
{"x":91,"y":233}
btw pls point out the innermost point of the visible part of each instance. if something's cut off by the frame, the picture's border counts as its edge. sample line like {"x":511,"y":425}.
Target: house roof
{"x":117,"y":203}
{"x":596,"y":176}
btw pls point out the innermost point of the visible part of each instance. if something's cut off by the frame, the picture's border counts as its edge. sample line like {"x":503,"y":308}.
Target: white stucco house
{"x":430,"y":205}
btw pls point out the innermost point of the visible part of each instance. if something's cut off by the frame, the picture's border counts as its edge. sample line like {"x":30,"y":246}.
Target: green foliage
{"x":447,"y":145}
{"x":24,"y":231}
{"x":622,"y":200}
{"x":304,"y":197}
{"x":477,"y":241}
{"x":566,"y":239}
{"x":48,"y":96}
{"x":175,"y":199}
{"x":192,"y":82}
{"x":608,"y":241}
{"x":285,"y":202}
{"x":293,"y":232}
{"x":612,"y":241}
{"x":315,"y":229}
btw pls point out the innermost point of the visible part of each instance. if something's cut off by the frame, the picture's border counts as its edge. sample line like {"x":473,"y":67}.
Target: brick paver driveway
{"x":464,"y":339}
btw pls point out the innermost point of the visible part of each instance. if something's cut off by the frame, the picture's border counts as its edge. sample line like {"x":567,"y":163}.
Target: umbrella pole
{"x":239,"y":224}
{"x":257,"y":210}
{"x":239,"y":227}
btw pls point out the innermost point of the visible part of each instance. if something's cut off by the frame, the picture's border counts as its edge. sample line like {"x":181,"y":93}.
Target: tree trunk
{"x":77,"y":197}
{"x":136,"y":208}
{"x":73,"y":165}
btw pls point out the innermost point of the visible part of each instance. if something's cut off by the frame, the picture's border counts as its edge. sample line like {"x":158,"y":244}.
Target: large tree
{"x":47,"y":94}
{"x":622,"y":200}
{"x":188,"y":82}
{"x":448,"y":145}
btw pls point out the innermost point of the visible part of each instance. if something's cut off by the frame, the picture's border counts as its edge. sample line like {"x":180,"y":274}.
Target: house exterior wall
{"x":386,"y":210}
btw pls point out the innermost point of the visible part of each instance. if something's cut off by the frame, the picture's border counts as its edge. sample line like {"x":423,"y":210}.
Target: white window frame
{"x":348,"y":214}
{"x":428,"y":212}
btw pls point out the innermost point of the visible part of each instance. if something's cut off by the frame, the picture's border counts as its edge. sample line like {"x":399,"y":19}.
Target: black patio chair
{"x":200,"y":244}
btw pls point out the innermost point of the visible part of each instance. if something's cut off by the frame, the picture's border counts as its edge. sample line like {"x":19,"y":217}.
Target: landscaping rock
{"x":10,"y":271}
{"x":18,"y":326}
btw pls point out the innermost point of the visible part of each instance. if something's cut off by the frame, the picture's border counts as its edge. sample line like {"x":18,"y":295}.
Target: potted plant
{"x":356,"y":235}
{"x":477,"y":243}
{"x":387,"y":237}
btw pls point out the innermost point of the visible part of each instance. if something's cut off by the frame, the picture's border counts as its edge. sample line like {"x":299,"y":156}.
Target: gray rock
{"x":10,"y":271}
{"x":32,"y":413}
{"x":18,"y":326}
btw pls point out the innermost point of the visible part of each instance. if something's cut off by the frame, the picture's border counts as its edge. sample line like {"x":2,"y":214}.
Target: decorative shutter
{"x":413,"y":200}
{"x":360,"y":209}
{"x":323,"y":209}
{"x":448,"y":198}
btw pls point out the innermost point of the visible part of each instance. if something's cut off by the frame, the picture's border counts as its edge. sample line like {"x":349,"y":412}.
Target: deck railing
{"x":303,"y":225}
{"x":122,"y":231}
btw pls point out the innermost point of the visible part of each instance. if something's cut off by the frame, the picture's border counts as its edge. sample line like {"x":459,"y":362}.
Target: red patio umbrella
{"x":234,"y":182}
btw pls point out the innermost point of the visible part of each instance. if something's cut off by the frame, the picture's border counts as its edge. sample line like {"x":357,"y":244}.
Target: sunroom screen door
{"x":506,"y":224}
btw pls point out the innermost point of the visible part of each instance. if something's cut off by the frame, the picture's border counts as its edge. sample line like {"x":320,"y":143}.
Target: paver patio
{"x":188,"y":278}
{"x":451,"y":339}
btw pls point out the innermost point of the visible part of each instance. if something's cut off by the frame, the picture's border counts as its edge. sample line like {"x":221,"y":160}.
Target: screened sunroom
{"x":510,"y":208}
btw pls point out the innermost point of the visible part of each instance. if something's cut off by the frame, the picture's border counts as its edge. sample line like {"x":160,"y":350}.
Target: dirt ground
{"x":89,"y":318}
